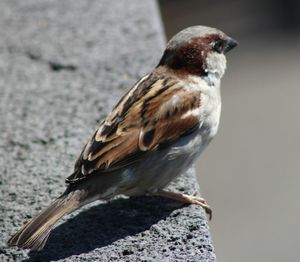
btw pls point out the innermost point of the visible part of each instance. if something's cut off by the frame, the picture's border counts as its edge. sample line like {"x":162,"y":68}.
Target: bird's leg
{"x":187,"y":199}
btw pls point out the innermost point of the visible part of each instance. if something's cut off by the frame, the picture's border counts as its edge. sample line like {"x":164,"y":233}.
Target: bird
{"x":154,"y":133}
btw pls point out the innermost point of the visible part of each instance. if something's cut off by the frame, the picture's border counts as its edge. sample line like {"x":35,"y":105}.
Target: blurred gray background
{"x":250,"y":172}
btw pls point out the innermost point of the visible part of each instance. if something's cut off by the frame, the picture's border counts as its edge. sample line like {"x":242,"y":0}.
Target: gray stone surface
{"x":63,"y":65}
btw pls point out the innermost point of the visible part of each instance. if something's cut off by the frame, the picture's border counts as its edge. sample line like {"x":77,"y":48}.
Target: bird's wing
{"x":155,"y":113}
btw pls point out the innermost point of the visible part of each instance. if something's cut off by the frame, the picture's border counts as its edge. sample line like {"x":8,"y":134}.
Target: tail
{"x":35,"y":233}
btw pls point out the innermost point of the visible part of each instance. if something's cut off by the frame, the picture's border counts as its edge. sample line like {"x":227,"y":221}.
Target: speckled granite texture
{"x":63,"y":65}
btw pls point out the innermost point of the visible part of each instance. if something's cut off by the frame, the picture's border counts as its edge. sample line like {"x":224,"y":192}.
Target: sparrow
{"x":154,"y":133}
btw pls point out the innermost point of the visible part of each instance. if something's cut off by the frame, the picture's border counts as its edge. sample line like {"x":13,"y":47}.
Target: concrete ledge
{"x":63,"y":65}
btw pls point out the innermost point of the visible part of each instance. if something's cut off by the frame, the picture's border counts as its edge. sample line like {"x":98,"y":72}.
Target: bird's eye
{"x":218,"y":46}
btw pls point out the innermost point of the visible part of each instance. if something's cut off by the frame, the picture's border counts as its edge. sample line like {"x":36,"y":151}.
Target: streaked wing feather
{"x":153,"y":114}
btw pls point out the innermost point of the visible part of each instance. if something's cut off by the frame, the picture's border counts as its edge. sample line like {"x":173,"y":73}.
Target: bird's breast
{"x":210,"y":106}
{"x":210,"y":111}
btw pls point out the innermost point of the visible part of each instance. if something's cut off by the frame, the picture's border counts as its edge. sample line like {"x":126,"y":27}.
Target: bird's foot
{"x":187,"y":199}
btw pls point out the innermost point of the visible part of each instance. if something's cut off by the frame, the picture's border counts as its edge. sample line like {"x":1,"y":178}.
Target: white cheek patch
{"x":215,"y":64}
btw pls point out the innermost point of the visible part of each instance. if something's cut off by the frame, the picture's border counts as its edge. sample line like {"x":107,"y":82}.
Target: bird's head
{"x":198,"y":50}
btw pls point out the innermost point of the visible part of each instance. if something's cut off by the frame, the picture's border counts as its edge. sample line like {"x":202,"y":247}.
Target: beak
{"x":230,"y":44}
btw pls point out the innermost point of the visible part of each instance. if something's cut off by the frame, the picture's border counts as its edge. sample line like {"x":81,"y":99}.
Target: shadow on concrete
{"x":102,"y":225}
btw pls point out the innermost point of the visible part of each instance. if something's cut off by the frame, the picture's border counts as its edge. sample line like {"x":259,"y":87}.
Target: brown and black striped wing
{"x":156,"y":112}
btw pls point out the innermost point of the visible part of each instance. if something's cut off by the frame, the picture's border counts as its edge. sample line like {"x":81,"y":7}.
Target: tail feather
{"x":35,"y":233}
